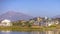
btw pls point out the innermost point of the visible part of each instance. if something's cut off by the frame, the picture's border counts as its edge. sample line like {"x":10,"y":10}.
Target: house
{"x":6,"y":22}
{"x":49,"y":22}
{"x":57,"y":20}
{"x":37,"y":21}
{"x":45,"y":21}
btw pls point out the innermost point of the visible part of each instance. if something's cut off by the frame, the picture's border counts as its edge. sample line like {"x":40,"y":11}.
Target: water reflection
{"x":45,"y":32}
{"x":5,"y":32}
{"x":32,"y":32}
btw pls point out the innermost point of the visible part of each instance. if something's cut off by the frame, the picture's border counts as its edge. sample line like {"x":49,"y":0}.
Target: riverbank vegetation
{"x":28,"y":26}
{"x":18,"y":28}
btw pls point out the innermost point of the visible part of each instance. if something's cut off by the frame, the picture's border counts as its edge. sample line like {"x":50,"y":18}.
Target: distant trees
{"x":29,"y":23}
{"x":23,"y":23}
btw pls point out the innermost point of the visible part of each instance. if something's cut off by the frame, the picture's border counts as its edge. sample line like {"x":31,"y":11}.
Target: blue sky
{"x":32,"y":7}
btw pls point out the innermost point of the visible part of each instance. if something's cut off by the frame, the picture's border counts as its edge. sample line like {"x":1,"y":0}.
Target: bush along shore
{"x":28,"y":26}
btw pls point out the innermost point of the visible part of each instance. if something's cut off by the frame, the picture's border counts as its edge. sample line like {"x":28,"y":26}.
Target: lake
{"x":31,"y":32}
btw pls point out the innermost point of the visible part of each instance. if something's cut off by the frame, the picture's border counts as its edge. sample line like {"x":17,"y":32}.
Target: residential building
{"x":49,"y":22}
{"x":6,"y":22}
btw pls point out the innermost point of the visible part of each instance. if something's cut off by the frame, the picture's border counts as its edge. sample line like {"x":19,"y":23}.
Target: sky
{"x":34,"y":8}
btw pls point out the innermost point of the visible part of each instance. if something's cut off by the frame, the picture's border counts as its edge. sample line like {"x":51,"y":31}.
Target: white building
{"x":5,"y":23}
{"x":49,"y":22}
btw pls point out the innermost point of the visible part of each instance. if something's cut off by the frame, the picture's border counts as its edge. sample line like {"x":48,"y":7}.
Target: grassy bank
{"x":18,"y":28}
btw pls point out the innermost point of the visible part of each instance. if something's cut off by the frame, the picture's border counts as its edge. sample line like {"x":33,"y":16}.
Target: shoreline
{"x":18,"y":28}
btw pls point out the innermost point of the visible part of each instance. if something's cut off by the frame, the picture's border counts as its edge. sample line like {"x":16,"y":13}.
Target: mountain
{"x":57,"y":16}
{"x":14,"y":16}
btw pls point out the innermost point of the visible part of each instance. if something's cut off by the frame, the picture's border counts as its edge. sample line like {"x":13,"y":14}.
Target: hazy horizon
{"x":48,"y":8}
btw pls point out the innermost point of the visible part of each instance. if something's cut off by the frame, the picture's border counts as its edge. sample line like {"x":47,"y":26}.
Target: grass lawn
{"x":18,"y":28}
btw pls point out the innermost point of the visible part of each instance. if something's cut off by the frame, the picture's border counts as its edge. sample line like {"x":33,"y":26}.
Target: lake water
{"x":32,"y":32}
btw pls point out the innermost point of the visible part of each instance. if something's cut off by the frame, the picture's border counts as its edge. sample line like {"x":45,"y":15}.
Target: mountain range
{"x":57,"y":16}
{"x":14,"y":16}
